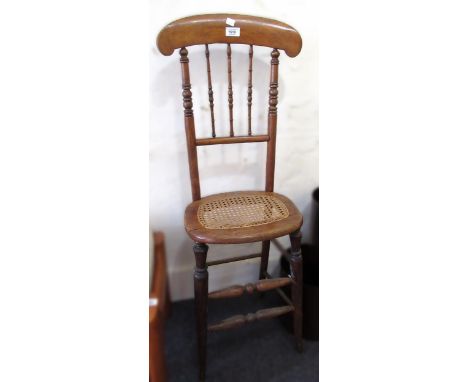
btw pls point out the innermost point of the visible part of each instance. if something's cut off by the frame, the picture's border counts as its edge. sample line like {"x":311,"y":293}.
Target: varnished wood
{"x":239,"y":320}
{"x":189,"y":125}
{"x":200,"y":278}
{"x":232,"y":259}
{"x":249,"y":91}
{"x":205,"y":30}
{"x":273,"y":101}
{"x":231,"y":140}
{"x":211,"y":28}
{"x":258,"y":286}
{"x":296,"y":289}
{"x":210,"y":90}
{"x":241,"y":235}
{"x":230,"y":99}
{"x":265,"y":256}
{"x":158,"y":313}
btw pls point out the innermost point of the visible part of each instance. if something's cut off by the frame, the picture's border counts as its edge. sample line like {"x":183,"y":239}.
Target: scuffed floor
{"x":261,"y":351}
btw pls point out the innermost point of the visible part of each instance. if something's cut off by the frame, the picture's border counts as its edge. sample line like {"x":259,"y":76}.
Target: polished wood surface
{"x":206,"y":30}
{"x":240,"y":320}
{"x":210,"y":90}
{"x":211,"y":28}
{"x":265,"y":257}
{"x":249,"y":91}
{"x":258,"y":286}
{"x":189,"y":125}
{"x":158,"y":313}
{"x":231,"y":140}
{"x":230,"y":93}
{"x":263,"y":232}
{"x":200,"y":279}
{"x":272,"y":121}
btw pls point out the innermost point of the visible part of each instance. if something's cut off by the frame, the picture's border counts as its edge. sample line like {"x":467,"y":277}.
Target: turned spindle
{"x":210,"y":90}
{"x":230,"y":99}
{"x":249,"y":91}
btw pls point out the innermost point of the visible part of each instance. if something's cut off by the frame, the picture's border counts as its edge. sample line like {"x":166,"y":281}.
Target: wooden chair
{"x":237,"y":217}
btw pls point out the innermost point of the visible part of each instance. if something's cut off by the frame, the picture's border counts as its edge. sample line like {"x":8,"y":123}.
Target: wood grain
{"x":211,"y":28}
{"x":230,"y":140}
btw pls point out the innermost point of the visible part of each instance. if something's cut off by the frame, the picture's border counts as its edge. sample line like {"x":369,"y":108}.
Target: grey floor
{"x":260,"y":351}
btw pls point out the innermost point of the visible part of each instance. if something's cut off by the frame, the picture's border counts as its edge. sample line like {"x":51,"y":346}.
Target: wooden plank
{"x":230,"y":140}
{"x":209,"y":29}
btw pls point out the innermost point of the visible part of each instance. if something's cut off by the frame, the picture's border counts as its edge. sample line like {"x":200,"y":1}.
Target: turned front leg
{"x":200,"y":278}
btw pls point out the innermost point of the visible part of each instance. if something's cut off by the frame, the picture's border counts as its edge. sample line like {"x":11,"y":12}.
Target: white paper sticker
{"x":230,"y":21}
{"x":153,"y":301}
{"x":232,"y":32}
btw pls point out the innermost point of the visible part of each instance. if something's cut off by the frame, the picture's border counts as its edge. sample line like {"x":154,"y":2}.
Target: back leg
{"x":296,"y":290}
{"x":264,"y":261}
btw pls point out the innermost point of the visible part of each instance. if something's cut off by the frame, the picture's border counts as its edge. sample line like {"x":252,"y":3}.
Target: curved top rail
{"x":210,"y":29}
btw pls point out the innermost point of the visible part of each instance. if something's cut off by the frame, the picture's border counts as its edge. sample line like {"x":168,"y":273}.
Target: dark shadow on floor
{"x":261,"y":352}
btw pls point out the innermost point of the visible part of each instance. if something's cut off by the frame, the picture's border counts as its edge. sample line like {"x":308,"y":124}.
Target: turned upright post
{"x":272,"y":111}
{"x":189,"y":124}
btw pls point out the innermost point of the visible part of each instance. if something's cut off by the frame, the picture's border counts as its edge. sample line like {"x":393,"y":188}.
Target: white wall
{"x":231,"y":167}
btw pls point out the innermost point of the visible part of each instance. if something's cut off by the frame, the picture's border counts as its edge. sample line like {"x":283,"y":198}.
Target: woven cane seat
{"x":241,"y":217}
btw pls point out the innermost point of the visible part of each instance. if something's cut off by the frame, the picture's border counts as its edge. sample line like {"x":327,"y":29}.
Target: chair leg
{"x":296,"y":273}
{"x":264,"y":261}
{"x":200,"y":278}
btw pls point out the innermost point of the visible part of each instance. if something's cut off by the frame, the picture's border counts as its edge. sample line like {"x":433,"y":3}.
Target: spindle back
{"x":229,"y":29}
